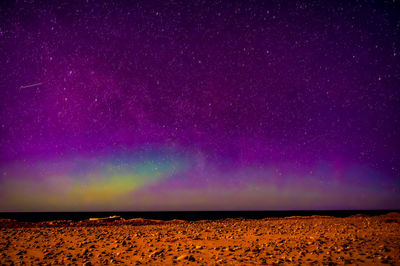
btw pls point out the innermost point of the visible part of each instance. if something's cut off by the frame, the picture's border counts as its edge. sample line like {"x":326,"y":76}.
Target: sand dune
{"x":301,"y":240}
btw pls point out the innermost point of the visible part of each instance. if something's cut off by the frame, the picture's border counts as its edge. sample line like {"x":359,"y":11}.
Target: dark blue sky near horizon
{"x":199,"y":105}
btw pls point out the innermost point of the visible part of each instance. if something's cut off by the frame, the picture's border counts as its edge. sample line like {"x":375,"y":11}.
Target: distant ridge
{"x":393,"y":217}
{"x":183,"y":215}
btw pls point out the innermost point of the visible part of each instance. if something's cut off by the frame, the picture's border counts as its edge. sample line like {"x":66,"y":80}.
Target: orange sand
{"x":298,"y":240}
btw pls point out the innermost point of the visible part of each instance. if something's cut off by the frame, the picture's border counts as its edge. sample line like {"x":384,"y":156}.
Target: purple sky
{"x":199,"y":105}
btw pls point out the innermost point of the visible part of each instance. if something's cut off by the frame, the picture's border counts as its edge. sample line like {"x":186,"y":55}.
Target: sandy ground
{"x":358,"y":240}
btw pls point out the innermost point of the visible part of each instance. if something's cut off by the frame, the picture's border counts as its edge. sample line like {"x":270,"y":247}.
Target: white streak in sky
{"x":31,"y":85}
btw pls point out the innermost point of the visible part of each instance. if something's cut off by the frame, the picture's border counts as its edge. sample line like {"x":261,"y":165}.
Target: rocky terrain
{"x":318,"y":240}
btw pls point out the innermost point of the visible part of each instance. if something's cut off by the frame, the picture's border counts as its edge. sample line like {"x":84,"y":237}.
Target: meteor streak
{"x":31,"y":85}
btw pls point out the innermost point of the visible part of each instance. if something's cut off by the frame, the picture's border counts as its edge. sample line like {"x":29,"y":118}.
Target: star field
{"x":199,"y":105}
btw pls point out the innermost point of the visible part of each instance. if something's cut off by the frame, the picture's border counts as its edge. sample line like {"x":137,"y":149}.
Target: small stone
{"x":182,"y":257}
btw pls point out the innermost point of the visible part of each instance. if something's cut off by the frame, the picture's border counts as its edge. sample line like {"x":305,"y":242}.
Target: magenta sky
{"x":199,"y":105}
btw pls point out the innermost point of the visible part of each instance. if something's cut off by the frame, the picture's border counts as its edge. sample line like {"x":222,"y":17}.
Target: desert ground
{"x":359,"y":239}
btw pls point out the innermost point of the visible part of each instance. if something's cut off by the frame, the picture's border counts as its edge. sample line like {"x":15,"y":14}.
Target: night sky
{"x":199,"y":105}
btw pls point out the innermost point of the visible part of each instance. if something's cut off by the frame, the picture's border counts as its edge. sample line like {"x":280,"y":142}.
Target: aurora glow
{"x":256,"y":105}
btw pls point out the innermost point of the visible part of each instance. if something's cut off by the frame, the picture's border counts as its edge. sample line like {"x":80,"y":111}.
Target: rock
{"x":156,"y":253}
{"x":182,"y":257}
